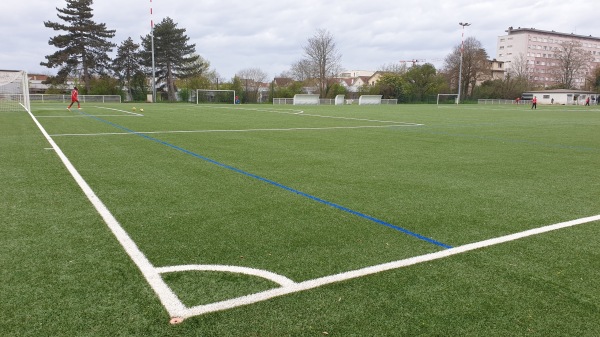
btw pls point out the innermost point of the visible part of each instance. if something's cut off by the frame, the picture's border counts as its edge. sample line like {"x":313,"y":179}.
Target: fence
{"x":82,"y":98}
{"x":329,"y":101}
{"x":501,"y":101}
{"x":283,"y":101}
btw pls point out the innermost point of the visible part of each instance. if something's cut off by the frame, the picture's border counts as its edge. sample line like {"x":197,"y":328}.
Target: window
{"x":545,"y":96}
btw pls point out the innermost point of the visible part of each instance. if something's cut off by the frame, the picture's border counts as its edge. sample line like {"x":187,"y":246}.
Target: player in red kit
{"x":74,"y":98}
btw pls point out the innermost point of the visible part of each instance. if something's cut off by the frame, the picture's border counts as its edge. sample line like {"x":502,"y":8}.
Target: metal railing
{"x":67,"y":98}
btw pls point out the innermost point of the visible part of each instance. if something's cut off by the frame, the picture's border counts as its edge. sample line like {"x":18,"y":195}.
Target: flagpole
{"x":153,"y":67}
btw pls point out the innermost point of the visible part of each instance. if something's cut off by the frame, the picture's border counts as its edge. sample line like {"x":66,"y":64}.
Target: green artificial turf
{"x":304,"y":192}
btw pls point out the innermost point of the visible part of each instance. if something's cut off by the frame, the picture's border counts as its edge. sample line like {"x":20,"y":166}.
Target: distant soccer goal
{"x":447,"y":99}
{"x":339,"y":99}
{"x":205,"y":96}
{"x":306,"y":99}
{"x":369,"y":99}
{"x":14,"y":91}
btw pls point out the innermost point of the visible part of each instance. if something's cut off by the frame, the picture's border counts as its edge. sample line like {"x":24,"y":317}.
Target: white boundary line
{"x":127,"y":112}
{"x":238,"y":130}
{"x":131,"y":114}
{"x":303,"y":114}
{"x":319,"y":282}
{"x":169,"y":300}
{"x":178,"y":311}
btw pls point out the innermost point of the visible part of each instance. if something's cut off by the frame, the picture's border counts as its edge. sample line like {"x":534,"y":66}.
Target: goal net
{"x":205,"y":96}
{"x":340,"y":99}
{"x":14,"y":91}
{"x":369,"y":99}
{"x":447,"y":99}
{"x":306,"y":99}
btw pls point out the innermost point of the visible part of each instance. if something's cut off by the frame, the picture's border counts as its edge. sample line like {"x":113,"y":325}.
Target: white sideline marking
{"x":239,"y":130}
{"x":301,"y":112}
{"x":82,"y":116}
{"x":169,"y":300}
{"x":127,"y":112}
{"x":315,"y":283}
{"x":177,"y":309}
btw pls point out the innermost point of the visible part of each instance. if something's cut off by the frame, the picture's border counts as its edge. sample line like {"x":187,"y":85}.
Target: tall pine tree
{"x":127,"y":63}
{"x":83,"y":50}
{"x":173,"y":56}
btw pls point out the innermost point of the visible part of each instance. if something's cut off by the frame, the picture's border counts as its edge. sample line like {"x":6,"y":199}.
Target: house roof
{"x":512,"y":30}
{"x":560,"y":91}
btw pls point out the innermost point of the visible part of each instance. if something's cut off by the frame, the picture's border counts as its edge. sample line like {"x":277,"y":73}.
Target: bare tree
{"x":396,"y":68}
{"x":475,"y":65}
{"x":519,"y":68}
{"x":303,"y":70}
{"x":322,"y":53}
{"x":572,"y":63}
{"x":251,"y":80}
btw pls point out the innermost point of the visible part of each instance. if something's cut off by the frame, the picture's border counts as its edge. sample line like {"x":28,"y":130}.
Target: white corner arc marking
{"x":279,"y":279}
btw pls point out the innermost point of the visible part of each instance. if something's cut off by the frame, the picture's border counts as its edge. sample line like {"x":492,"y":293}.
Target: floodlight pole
{"x":462,"y":47}
{"x":152,"y":46}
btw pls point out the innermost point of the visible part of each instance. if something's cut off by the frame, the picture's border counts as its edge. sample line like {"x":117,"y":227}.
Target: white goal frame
{"x":437,"y":102}
{"x":198,"y":91}
{"x":369,"y":99}
{"x":14,"y":91}
{"x":340,"y":99}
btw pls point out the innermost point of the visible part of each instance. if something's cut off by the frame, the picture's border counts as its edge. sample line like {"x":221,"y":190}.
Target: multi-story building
{"x":538,"y":49}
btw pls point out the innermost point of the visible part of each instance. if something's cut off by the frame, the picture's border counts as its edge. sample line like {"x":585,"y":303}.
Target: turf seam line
{"x":276,"y":184}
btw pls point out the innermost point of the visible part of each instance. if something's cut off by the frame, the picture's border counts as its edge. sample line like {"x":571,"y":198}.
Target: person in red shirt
{"x":74,"y":98}
{"x":534,"y":103}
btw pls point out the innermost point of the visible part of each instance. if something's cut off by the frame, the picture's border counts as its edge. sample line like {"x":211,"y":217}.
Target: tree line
{"x":84,"y":47}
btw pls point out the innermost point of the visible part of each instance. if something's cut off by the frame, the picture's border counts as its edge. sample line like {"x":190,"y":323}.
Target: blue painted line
{"x":274,"y":183}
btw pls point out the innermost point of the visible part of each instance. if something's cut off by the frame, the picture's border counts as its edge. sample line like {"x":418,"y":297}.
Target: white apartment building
{"x":538,"y":46}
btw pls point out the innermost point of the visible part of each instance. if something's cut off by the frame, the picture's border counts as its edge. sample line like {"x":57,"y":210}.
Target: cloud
{"x":234,"y":35}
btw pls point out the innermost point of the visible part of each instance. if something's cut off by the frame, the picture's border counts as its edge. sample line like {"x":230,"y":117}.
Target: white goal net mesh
{"x":447,"y":99}
{"x":205,"y":96}
{"x":14,"y":91}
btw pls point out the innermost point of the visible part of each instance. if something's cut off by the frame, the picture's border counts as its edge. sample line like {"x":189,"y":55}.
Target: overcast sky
{"x":269,"y":34}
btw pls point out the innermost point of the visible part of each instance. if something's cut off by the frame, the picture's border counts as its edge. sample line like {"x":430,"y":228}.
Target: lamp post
{"x":462,"y":46}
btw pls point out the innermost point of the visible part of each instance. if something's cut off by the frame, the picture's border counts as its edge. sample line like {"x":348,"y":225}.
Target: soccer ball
{"x":133,"y":108}
{"x":141,"y":110}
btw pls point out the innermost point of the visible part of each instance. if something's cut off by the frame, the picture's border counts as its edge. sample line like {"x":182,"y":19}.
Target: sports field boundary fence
{"x":59,"y":98}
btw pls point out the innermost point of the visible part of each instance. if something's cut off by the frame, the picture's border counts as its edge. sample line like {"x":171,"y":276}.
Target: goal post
{"x":14,"y":91}
{"x":447,"y":99}
{"x":207,"y":96}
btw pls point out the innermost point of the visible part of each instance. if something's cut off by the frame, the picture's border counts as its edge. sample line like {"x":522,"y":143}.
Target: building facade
{"x":538,"y":47}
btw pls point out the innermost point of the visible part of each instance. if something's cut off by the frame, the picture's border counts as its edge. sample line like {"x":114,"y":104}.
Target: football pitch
{"x":269,"y":220}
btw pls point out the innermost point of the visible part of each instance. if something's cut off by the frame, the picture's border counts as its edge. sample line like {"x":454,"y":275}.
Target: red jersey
{"x":74,"y":95}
